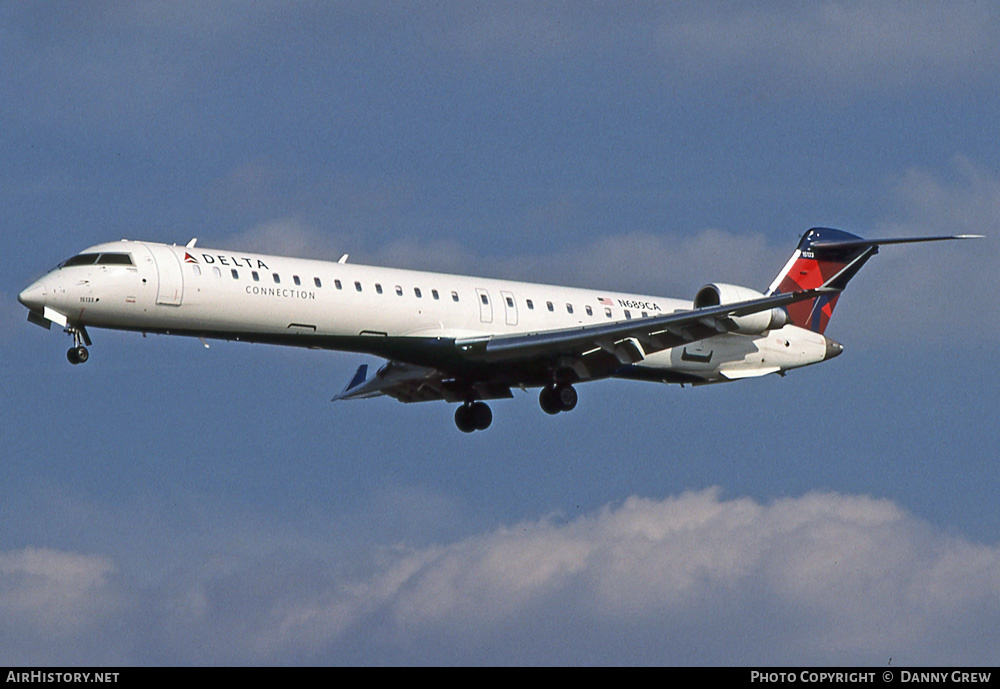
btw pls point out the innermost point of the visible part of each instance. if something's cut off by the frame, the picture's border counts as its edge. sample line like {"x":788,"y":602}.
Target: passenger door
{"x":510,"y":307}
{"x":170,"y":290}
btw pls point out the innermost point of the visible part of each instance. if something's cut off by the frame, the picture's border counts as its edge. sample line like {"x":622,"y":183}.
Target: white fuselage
{"x":245,"y":296}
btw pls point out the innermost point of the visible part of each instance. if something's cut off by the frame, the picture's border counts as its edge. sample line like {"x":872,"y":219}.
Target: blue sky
{"x":167,"y":504}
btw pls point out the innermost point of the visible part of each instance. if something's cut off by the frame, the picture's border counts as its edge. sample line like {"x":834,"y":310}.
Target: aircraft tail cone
{"x":833,"y":348}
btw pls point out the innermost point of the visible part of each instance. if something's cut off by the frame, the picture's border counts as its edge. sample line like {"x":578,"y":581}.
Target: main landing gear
{"x":78,"y":354}
{"x":476,"y":416}
{"x":556,"y":398}
{"x":473,"y":416}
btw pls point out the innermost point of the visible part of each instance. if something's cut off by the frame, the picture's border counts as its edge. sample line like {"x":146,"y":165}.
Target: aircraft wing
{"x":612,"y":342}
{"x":409,"y":383}
{"x":654,"y":333}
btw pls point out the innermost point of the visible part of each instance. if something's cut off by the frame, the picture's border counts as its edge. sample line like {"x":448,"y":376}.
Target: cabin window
{"x":295,"y":279}
{"x":510,"y":302}
{"x":569,"y":308}
{"x":236,"y":274}
{"x":357,"y":285}
{"x":628,"y":315}
{"x":454,"y":296}
{"x":216,"y":272}
{"x":416,"y":291}
{"x":590,"y":311}
{"x":434,"y":293}
{"x":277,"y":279}
{"x":378,"y":288}
{"x":549,"y":306}
{"x":607,"y":312}
{"x":316,"y":281}
{"x":531,"y":304}
{"x":645,"y":315}
{"x":197,"y":270}
{"x":255,"y":276}
{"x":399,"y":291}
{"x":337,"y":284}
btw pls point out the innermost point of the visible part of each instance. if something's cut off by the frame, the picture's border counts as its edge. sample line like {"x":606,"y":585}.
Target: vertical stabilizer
{"x":830,"y":258}
{"x":824,"y":256}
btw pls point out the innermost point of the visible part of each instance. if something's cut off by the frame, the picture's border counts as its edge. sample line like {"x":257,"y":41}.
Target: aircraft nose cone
{"x":833,"y":348}
{"x":33,"y":296}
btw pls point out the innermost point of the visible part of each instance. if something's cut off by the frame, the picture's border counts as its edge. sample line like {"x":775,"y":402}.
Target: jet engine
{"x":719,"y":293}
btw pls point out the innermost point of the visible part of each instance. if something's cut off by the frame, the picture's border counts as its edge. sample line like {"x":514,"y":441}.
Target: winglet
{"x":360,"y":376}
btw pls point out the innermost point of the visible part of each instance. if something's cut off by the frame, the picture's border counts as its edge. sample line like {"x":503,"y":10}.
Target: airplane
{"x":458,"y":338}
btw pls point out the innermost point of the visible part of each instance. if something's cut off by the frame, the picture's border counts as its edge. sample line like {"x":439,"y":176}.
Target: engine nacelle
{"x":719,"y":293}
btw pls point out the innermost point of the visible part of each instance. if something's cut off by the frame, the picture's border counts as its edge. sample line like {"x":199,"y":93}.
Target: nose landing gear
{"x":78,"y":354}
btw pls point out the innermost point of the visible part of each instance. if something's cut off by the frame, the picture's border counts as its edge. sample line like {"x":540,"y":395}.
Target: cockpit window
{"x":80,"y":260}
{"x":114,"y":260}
{"x":110,"y":259}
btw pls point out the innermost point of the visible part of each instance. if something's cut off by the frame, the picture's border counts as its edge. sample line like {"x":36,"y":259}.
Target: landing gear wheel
{"x":77,"y":355}
{"x":566,"y":394}
{"x":556,"y":398}
{"x":463,"y":419}
{"x":473,"y":416}
{"x":482,"y":416}
{"x":547,"y":400}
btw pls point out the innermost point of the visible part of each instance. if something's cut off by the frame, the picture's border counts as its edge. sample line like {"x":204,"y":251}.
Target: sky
{"x":167,"y":504}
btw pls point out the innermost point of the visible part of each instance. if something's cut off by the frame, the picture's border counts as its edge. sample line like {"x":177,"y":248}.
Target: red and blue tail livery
{"x":829,"y":258}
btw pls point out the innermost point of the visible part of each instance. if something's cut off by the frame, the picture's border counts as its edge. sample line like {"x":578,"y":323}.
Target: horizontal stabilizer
{"x":834,"y":244}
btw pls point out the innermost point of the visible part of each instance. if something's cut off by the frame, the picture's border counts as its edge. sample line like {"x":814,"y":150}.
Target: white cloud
{"x":841,"y":578}
{"x":819,"y":579}
{"x":284,"y":237}
{"x":52,"y":592}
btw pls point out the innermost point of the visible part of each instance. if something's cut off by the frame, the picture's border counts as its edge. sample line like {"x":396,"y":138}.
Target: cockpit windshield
{"x":114,"y":260}
{"x":80,"y":260}
{"x":108,"y":259}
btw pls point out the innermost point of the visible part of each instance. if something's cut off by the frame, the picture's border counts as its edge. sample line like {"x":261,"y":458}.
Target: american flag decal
{"x":605,"y":301}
